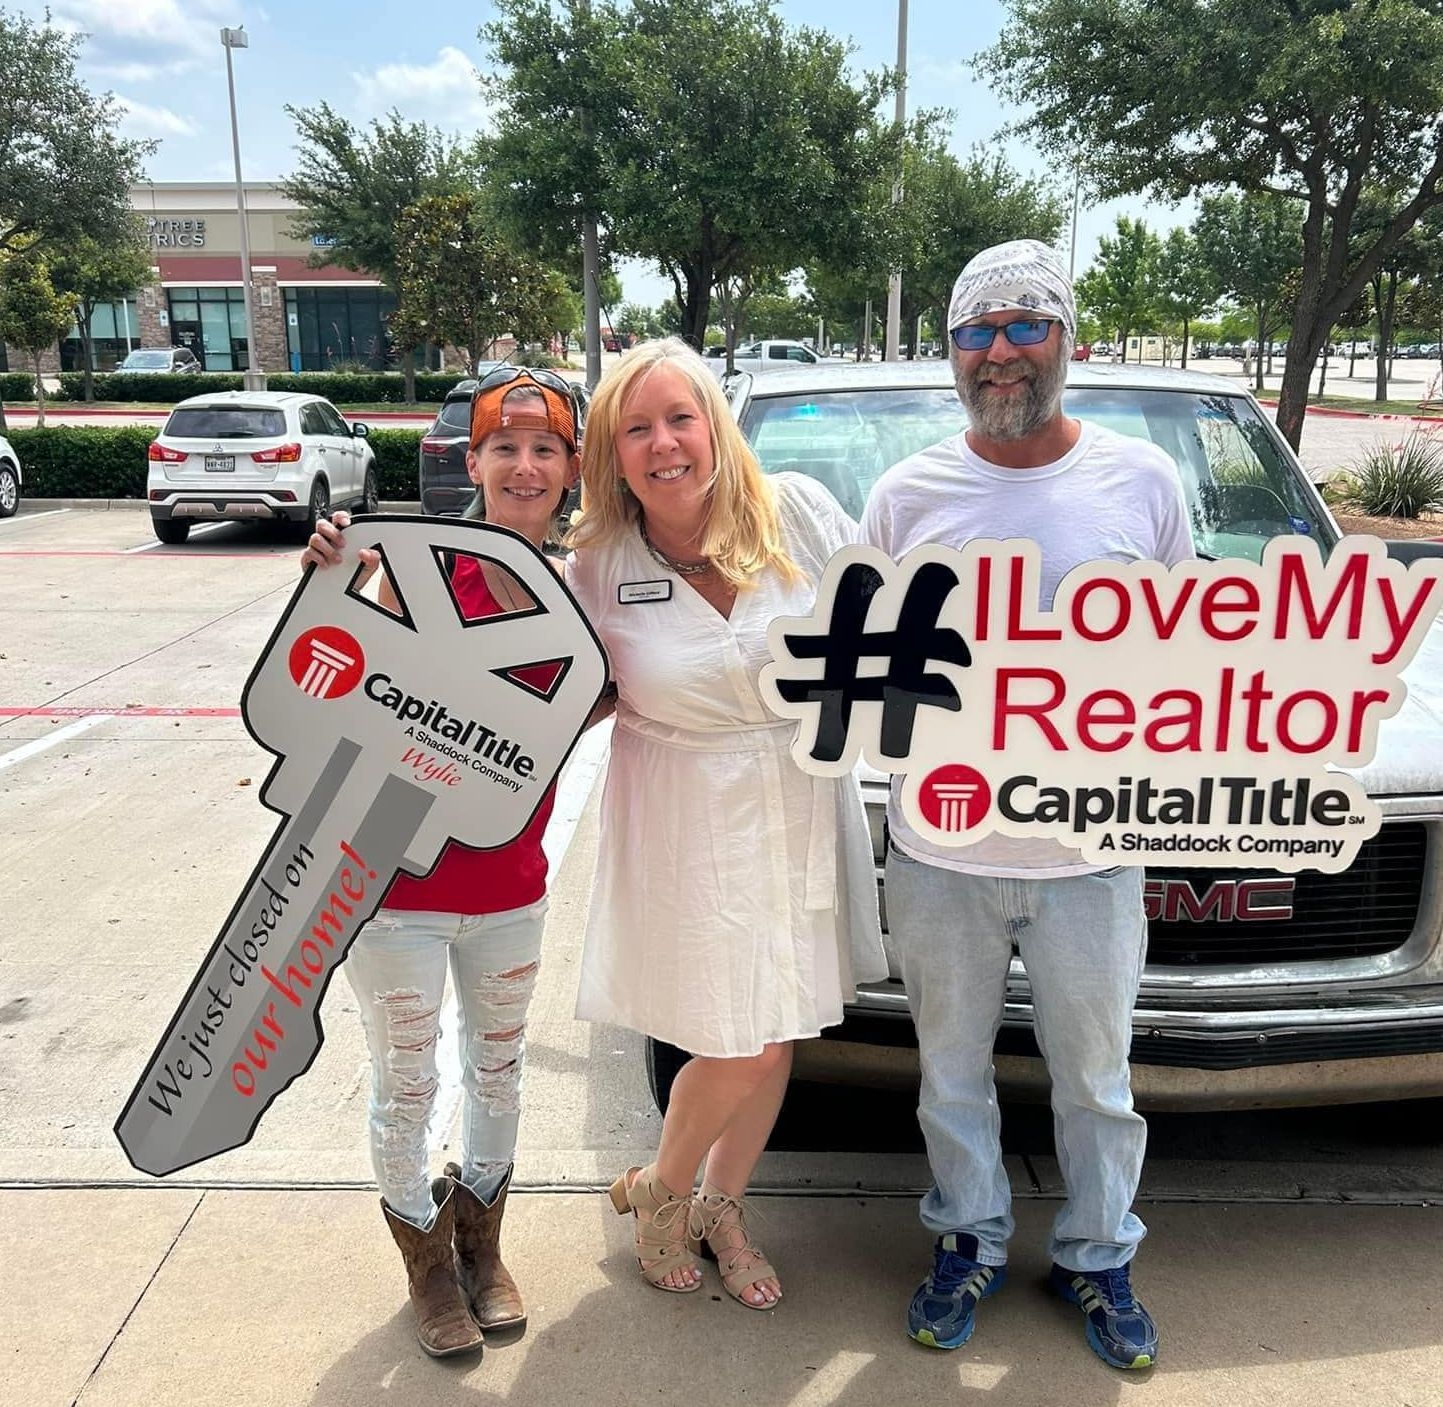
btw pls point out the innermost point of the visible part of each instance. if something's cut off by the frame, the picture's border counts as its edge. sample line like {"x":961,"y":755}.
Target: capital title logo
{"x":327,"y":662}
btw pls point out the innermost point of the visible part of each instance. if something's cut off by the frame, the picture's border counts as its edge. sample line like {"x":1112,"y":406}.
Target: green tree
{"x":1187,"y":285}
{"x":98,"y":272}
{"x":33,"y":314}
{"x":1251,"y":245}
{"x":64,"y":172}
{"x":353,"y":185}
{"x":707,"y":137}
{"x":633,"y":319}
{"x":1121,"y":289}
{"x":1310,"y":99}
{"x":462,"y":284}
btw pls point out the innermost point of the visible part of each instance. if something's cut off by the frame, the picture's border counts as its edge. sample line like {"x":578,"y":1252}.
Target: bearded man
{"x":1023,"y":468}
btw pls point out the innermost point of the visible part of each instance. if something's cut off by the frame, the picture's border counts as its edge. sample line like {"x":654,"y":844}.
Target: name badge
{"x":633,"y":593}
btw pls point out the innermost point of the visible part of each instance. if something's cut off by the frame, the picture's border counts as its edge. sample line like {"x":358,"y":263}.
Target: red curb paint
{"x":73,"y":712}
{"x":1330,"y":412}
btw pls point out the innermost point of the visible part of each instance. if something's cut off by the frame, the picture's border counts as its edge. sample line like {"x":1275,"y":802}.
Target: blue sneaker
{"x":1119,"y":1330}
{"x":943,"y":1311}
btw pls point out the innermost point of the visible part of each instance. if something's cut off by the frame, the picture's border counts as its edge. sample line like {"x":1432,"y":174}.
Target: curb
{"x":1330,"y":413}
{"x":133,"y":416}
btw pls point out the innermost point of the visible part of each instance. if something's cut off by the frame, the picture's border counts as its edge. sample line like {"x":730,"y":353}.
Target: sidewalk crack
{"x":115,"y":1337}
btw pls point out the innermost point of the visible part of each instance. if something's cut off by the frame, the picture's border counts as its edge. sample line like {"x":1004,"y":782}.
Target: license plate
{"x":220,"y":464}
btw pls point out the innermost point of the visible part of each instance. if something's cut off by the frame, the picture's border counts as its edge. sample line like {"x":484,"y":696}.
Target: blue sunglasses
{"x":978,"y":336}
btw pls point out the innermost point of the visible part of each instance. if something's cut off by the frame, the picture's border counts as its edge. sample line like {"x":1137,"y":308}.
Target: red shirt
{"x":467,"y":881}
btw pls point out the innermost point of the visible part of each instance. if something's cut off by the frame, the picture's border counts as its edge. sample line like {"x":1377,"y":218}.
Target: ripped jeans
{"x":397,"y":969}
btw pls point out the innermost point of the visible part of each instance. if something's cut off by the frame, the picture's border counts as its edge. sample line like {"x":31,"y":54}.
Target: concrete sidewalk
{"x":165,"y":1295}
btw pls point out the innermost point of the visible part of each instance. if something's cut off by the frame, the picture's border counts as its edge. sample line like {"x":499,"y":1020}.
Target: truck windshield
{"x":1242,"y":490}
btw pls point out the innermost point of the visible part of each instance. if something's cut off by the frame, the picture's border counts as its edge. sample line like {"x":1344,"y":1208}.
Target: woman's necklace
{"x":681,"y":568}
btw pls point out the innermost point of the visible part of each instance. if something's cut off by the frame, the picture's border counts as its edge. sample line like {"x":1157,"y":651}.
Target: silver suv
{"x":248,"y":455}
{"x":1261,"y":989}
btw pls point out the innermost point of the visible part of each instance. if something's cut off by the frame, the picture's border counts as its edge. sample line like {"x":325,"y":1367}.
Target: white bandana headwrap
{"x":1023,"y":276}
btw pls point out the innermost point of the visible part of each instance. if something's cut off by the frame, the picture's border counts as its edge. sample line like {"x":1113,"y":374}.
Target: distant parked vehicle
{"x":244,"y":455}
{"x":1082,"y":352}
{"x":161,"y":360}
{"x":445,"y":486}
{"x":11,"y":481}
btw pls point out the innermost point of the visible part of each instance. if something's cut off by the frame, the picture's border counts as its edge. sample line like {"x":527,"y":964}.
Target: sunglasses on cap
{"x":503,"y":375}
{"x":978,"y":336}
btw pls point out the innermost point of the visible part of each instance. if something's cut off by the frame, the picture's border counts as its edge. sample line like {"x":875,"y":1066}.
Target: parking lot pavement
{"x":266,"y":1273}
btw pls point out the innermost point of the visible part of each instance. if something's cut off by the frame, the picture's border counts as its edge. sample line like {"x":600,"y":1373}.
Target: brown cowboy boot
{"x":443,"y":1324}
{"x":490,"y":1291}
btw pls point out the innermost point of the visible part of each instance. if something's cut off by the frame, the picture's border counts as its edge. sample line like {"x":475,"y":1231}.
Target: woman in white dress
{"x":735,"y":904}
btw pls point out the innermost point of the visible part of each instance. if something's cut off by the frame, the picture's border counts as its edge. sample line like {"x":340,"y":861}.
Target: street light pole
{"x":894,"y":284}
{"x":255,"y":377}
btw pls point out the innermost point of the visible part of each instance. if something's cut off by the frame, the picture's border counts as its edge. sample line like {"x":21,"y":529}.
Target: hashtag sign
{"x":851,"y":655}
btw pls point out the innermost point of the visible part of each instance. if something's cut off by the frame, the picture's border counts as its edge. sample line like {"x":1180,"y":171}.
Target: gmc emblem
{"x":1223,"y":901}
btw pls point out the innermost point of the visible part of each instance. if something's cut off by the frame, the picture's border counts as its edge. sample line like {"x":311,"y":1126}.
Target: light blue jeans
{"x":1082,"y":940}
{"x":397,"y":969}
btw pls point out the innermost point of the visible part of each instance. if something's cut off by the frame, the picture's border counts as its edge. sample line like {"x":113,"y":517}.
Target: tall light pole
{"x":894,"y":284}
{"x":255,"y":378}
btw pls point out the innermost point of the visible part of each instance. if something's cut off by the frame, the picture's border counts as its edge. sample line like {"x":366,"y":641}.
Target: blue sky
{"x":163,"y":61}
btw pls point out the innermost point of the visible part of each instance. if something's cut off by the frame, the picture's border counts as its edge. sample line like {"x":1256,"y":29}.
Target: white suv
{"x":243,"y":455}
{"x":10,"y":479}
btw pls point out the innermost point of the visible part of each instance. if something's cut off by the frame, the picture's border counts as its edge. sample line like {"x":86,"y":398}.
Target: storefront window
{"x":212,"y":323}
{"x":109,"y":324}
{"x":325,"y":326}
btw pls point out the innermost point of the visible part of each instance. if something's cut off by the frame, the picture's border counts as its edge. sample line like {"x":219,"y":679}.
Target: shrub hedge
{"x":342,"y":388}
{"x":102,"y":461}
{"x":17,"y":386}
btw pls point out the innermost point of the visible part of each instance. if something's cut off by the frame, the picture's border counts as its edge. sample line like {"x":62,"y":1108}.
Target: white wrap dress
{"x":735,"y":901}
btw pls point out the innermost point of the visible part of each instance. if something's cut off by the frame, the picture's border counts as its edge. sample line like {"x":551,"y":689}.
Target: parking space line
{"x":31,"y":517}
{"x":60,"y":735}
{"x":196,"y":531}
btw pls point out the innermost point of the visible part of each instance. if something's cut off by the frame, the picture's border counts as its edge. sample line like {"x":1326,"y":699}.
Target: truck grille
{"x":1368,"y":909}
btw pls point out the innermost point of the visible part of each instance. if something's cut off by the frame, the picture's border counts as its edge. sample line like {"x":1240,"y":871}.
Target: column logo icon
{"x":954,"y":798}
{"x":327,"y":662}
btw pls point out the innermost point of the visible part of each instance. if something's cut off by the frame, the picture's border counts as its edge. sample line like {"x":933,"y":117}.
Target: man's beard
{"x":1011,"y":417}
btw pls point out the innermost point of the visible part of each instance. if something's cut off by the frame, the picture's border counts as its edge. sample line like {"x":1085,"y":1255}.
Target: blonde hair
{"x":742,"y":535}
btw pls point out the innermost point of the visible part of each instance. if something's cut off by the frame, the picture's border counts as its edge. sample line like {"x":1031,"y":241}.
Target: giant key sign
{"x":394,"y":732}
{"x":1198,"y":714}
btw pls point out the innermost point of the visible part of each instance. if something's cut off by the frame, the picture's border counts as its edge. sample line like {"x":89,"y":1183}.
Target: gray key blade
{"x":250,"y":1022}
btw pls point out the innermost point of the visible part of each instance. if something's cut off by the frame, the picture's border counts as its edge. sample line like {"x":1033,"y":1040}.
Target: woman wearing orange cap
{"x":481,"y":910}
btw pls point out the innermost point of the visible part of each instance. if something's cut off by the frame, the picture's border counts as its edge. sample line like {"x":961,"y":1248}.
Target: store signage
{"x":1208,"y":714}
{"x":175,"y":234}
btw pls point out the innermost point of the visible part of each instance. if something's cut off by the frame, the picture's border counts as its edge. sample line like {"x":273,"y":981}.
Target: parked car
{"x":161,"y":359}
{"x":445,"y":487}
{"x":1330,"y":988}
{"x":248,"y":455}
{"x":11,"y":480}
{"x":771,"y":355}
{"x":1082,"y":352}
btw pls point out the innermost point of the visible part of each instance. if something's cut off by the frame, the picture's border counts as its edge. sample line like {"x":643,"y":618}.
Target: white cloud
{"x":141,"y":40}
{"x":142,"y":120}
{"x":446,"y":91}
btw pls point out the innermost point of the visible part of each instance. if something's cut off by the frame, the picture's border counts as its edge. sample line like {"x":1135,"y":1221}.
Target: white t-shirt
{"x":1111,"y":496}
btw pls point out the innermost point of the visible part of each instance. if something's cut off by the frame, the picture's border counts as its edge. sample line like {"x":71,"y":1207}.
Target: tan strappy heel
{"x":723,"y":1236}
{"x":663,"y":1226}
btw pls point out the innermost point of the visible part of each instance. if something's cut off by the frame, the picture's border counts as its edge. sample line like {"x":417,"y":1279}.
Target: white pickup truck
{"x":765,"y":356}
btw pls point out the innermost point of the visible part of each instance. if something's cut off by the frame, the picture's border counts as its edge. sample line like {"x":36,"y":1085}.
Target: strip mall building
{"x":307,"y":318}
